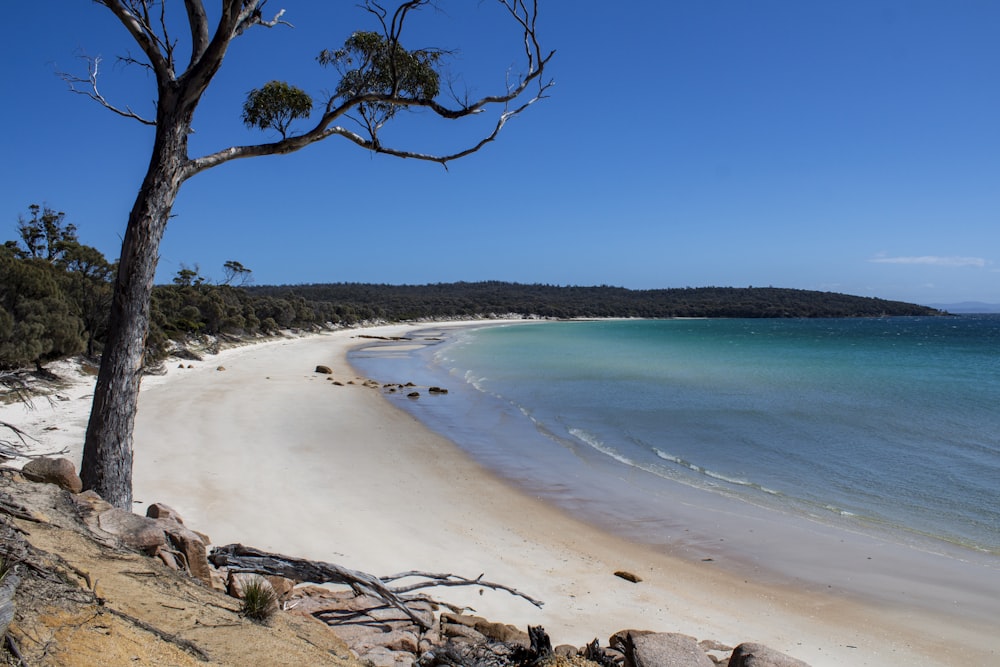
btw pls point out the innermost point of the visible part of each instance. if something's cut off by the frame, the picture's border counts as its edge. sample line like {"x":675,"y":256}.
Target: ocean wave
{"x":597,"y":444}
{"x":736,"y":481}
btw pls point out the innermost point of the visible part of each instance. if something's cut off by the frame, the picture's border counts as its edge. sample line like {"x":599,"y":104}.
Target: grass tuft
{"x":259,"y":600}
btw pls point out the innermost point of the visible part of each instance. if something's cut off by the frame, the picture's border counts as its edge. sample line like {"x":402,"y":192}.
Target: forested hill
{"x":464,"y":299}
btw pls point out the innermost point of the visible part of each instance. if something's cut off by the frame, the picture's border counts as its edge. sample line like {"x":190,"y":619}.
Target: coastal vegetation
{"x":55,"y":295}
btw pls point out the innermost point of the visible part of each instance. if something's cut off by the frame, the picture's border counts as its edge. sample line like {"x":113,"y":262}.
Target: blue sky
{"x":849,"y":146}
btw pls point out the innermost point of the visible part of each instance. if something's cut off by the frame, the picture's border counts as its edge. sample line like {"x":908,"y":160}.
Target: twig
{"x":184,"y":644}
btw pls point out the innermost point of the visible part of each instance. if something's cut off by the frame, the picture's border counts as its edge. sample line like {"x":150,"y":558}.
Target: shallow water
{"x":880,"y":425}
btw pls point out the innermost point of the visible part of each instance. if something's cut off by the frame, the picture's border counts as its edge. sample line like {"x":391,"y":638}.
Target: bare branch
{"x":434,"y":580}
{"x":134,"y":16}
{"x":93,"y":66}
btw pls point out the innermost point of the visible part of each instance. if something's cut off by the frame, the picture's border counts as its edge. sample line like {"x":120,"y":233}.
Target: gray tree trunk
{"x":107,"y":452}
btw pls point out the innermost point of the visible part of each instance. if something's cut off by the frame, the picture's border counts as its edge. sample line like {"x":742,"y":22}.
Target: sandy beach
{"x":269,"y":453}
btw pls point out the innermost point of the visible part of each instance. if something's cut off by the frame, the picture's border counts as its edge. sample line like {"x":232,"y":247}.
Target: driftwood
{"x":240,"y":558}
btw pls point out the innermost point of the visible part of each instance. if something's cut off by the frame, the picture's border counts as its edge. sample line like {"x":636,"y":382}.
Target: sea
{"x":882,"y":427}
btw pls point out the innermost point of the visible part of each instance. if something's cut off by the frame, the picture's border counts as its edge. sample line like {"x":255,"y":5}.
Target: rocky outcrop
{"x":162,"y":535}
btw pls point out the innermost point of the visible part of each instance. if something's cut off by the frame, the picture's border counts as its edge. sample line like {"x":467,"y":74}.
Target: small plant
{"x":259,"y":600}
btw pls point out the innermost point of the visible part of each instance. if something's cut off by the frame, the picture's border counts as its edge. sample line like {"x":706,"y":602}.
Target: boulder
{"x":664,"y":649}
{"x":161,"y":511}
{"x":326,"y":370}
{"x":750,"y":654}
{"x":58,"y":471}
{"x":140,"y":533}
{"x":190,"y":544}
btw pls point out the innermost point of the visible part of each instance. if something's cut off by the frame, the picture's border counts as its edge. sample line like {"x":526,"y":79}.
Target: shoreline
{"x":864,"y":561}
{"x":271,"y":454}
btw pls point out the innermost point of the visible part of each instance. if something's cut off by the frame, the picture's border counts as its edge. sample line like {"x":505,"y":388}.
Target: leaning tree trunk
{"x":107,"y":452}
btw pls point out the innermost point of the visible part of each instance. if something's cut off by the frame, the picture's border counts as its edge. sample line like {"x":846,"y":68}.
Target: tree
{"x":236,"y":272}
{"x":378,"y":79}
{"x":45,"y":235}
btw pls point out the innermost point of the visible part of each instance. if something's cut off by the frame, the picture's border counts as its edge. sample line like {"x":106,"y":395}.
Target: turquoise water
{"x":879,"y":424}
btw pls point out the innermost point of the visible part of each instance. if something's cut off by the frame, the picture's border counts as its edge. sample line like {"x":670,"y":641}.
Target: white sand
{"x":272,"y":454}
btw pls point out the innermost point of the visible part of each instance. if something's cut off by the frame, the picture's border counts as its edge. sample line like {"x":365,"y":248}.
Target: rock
{"x":220,"y":368}
{"x":566,"y":651}
{"x":158,"y":537}
{"x":501,"y":632}
{"x":326,"y":370}
{"x":460,"y":632}
{"x":169,"y":558}
{"x":190,"y":544}
{"x":750,"y":654}
{"x":664,"y":649}
{"x":281,"y":586}
{"x":165,"y":512}
{"x":437,"y":390}
{"x":140,"y":533}
{"x":413,"y":394}
{"x":380,"y":656}
{"x":58,"y":471}
{"x":628,"y":576}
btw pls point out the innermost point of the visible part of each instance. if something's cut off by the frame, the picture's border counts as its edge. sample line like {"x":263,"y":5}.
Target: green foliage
{"x":55,"y":292}
{"x":45,"y":235}
{"x":39,"y":321}
{"x":372,"y":65}
{"x":275,"y":106}
{"x":259,"y":601}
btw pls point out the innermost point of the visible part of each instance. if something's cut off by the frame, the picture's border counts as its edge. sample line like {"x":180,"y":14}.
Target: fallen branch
{"x":444,"y":580}
{"x":240,"y":558}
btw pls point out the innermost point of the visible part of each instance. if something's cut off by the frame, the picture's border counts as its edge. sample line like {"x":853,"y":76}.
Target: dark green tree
{"x":180,"y":86}
{"x":39,"y":322}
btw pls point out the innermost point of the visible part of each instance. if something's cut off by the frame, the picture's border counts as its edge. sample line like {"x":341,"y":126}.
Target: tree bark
{"x":107,"y":451}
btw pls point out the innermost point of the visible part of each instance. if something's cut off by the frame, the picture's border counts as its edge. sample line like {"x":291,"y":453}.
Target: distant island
{"x":471,"y":299}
